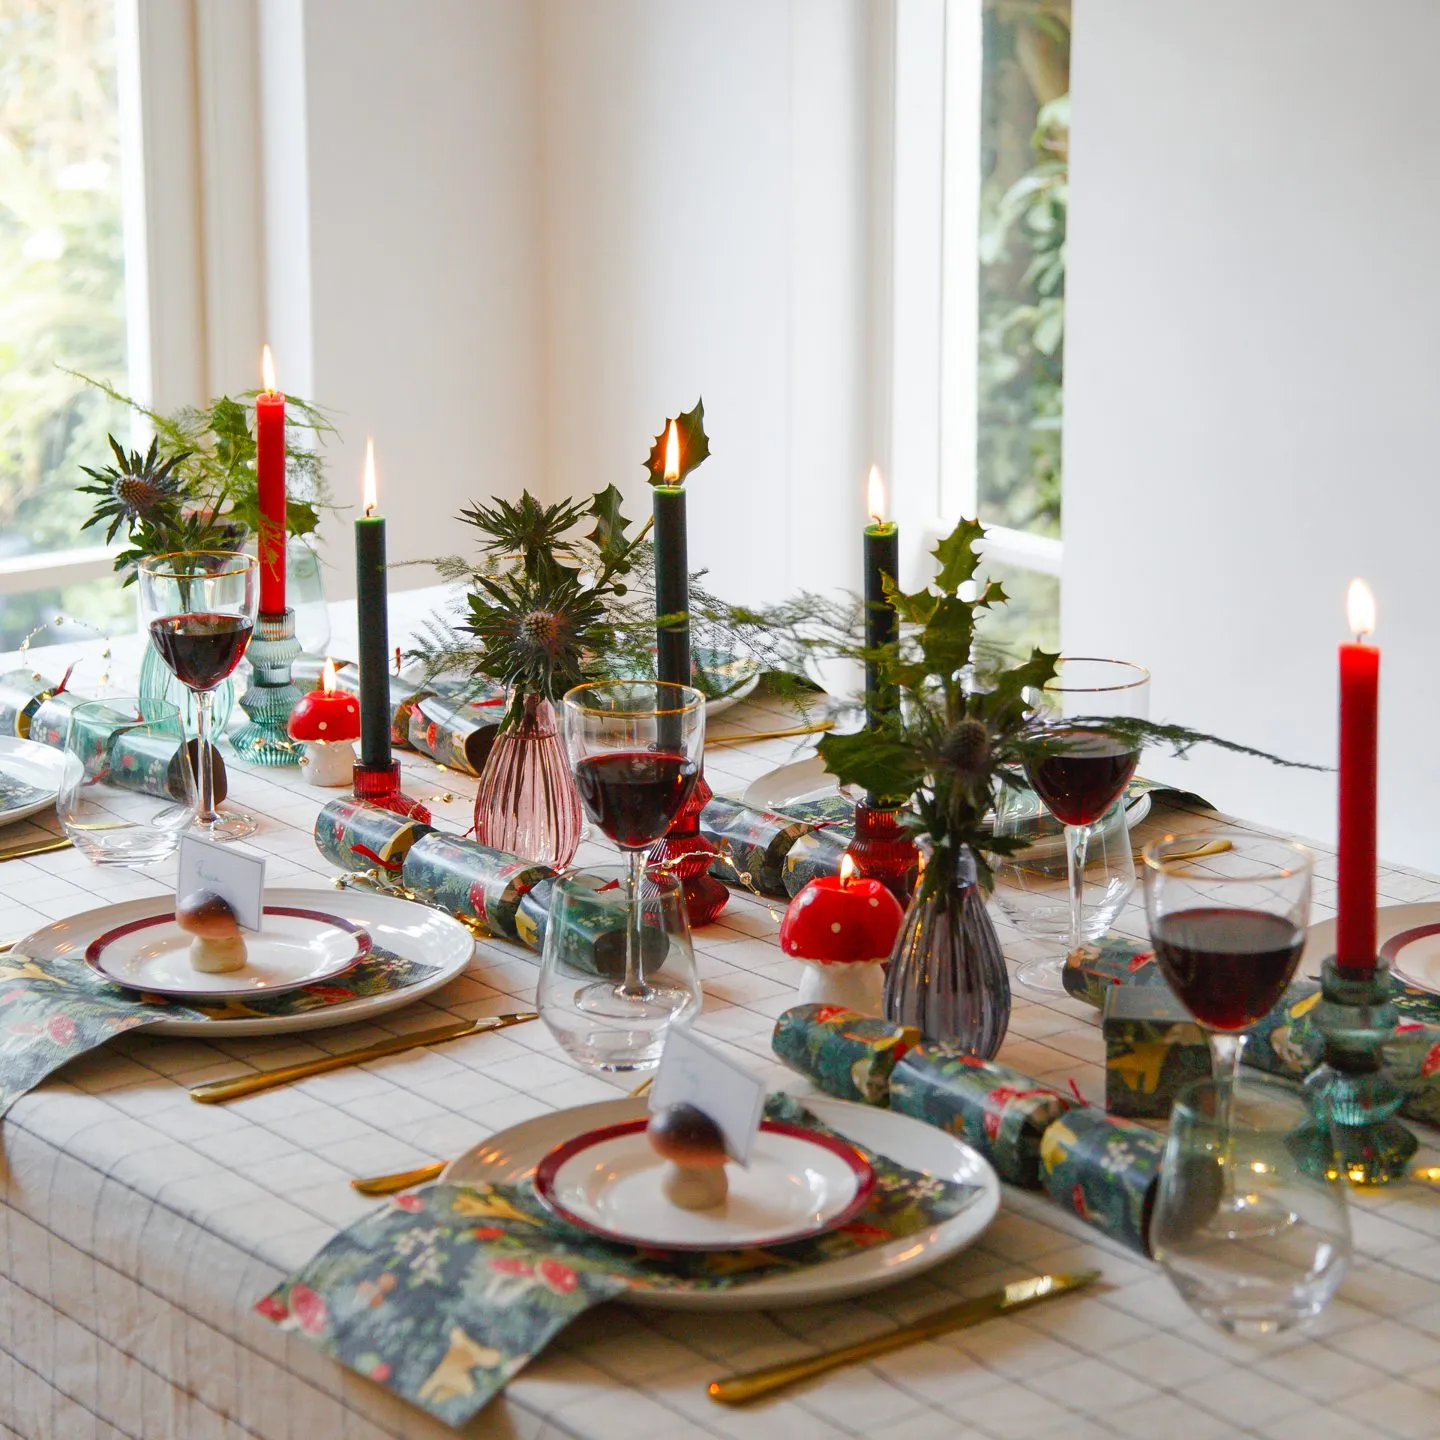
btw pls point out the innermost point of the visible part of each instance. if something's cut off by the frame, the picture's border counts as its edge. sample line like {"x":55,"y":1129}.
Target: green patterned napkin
{"x":52,"y":1011}
{"x":444,"y":1295}
{"x":15,"y":793}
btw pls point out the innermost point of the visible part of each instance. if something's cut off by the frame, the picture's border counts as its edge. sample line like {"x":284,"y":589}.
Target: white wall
{"x":705,"y":174}
{"x":416,"y":254}
{"x":1252,"y":363}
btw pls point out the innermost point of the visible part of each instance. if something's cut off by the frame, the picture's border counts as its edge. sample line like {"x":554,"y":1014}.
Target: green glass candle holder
{"x":1354,"y":1095}
{"x":272,"y":694}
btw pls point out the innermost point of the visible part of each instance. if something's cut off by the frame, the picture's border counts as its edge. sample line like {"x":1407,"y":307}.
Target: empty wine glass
{"x":200,"y":607}
{"x":128,"y":791}
{"x":1248,"y":1143}
{"x":1081,"y":769}
{"x":578,"y":997}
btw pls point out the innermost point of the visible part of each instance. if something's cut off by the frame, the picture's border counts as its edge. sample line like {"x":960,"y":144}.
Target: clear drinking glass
{"x":1254,"y":1241}
{"x":1082,"y":771}
{"x":588,"y":939}
{"x":200,"y":608}
{"x":128,"y":793}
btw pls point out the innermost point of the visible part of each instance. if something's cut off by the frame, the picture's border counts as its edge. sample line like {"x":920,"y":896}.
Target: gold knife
{"x":217,"y":1090}
{"x":751,"y":1384}
{"x":42,"y":847}
{"x":755,"y":736}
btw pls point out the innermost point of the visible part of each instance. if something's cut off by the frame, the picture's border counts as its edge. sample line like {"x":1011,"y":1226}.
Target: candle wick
{"x":369,"y":512}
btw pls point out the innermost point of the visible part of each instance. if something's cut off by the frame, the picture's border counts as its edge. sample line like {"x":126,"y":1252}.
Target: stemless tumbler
{"x":1289,"y":1256}
{"x":586,"y":953}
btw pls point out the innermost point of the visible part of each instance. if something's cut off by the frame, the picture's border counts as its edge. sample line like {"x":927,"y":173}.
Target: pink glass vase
{"x":527,"y":804}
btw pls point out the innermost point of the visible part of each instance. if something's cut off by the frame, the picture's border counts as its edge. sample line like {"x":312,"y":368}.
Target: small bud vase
{"x":527,"y":804}
{"x":947,"y":973}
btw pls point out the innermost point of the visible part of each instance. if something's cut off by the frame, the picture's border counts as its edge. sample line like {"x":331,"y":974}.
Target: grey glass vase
{"x":947,"y":972}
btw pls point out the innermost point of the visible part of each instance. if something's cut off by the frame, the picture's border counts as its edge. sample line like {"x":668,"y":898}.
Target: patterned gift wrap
{"x":1104,"y":1171}
{"x":754,"y":842}
{"x":817,"y":853}
{"x":457,"y":733}
{"x":149,"y":762}
{"x":1153,"y":1049}
{"x":445,"y":1295}
{"x":846,"y":1054}
{"x":1000,"y":1112}
{"x":356,"y":836}
{"x":594,"y":938}
{"x":1093,"y":969}
{"x":21,"y":692}
{"x":467,"y":878}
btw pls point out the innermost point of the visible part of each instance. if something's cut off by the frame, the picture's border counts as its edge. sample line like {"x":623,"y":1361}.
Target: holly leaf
{"x":880,"y":763}
{"x":694,"y":446}
{"x":945,"y":641}
{"x":1004,"y":706}
{"x":959,"y":556}
{"x":301,"y":517}
{"x":608,"y":536}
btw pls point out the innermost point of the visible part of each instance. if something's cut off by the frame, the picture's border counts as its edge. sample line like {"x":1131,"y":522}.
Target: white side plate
{"x":1414,"y":958}
{"x":36,"y":765}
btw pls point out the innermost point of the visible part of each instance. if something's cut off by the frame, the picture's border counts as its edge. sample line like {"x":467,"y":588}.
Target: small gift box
{"x":1093,"y":969}
{"x":457,"y":732}
{"x":1105,"y":1171}
{"x":846,"y":1054}
{"x":999,"y":1111}
{"x":356,"y":836}
{"x":1152,"y":1049}
{"x":467,"y":878}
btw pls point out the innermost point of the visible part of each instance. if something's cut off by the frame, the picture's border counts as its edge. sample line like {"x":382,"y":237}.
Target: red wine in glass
{"x":1083,"y":775}
{"x":1229,"y":967}
{"x":634,"y":795}
{"x":201,"y":649}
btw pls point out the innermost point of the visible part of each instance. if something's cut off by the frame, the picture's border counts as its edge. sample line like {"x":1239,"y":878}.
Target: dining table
{"x":140,"y":1228}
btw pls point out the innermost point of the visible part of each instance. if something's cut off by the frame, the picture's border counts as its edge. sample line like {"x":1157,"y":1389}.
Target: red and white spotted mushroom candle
{"x":327,"y":723}
{"x":842,"y":931}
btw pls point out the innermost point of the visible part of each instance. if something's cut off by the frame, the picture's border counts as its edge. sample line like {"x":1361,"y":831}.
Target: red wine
{"x":201,"y":649}
{"x":633,"y":795}
{"x":1084,"y":776}
{"x":1228,"y":967}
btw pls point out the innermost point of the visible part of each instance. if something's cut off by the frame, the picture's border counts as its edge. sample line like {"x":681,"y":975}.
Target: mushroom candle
{"x":842,"y":931}
{"x":327,"y":722}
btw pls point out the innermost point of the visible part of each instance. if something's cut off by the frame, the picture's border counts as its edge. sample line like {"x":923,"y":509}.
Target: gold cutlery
{"x":218,"y":1090}
{"x":1195,"y":852}
{"x":757,"y":735}
{"x":41,"y":847}
{"x":751,"y":1384}
{"x":423,"y":1174}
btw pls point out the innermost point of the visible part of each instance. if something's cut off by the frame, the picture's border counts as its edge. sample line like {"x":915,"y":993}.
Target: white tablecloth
{"x":138,"y":1229}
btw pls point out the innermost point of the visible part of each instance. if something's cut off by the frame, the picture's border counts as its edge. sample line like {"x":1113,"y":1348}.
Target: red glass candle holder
{"x":380,"y":785}
{"x":883,"y":850}
{"x":686,"y":854}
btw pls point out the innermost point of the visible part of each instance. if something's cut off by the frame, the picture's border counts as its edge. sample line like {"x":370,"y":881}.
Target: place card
{"x":236,"y":876}
{"x":693,"y":1072}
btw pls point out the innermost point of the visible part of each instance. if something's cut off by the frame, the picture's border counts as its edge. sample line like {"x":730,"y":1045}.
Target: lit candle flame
{"x":1360,"y":607}
{"x":369,"y":492}
{"x":267,"y":370}
{"x":847,"y":869}
{"x":327,"y":677}
{"x":875,"y":496}
{"x":672,"y":454}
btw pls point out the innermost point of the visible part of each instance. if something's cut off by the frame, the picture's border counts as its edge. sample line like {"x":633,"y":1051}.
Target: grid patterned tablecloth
{"x":138,"y":1229}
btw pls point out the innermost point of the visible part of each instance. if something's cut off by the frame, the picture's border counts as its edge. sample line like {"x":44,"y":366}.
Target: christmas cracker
{"x":457,"y":733}
{"x":358,"y":837}
{"x":779,"y":854}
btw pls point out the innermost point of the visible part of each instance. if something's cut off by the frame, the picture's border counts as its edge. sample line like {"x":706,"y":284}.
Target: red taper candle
{"x":270,"y":481}
{"x":1359,"y":748}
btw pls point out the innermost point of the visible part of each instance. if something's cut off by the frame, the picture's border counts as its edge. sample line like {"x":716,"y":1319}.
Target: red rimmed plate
{"x":798,"y":1184}
{"x":294,"y":948}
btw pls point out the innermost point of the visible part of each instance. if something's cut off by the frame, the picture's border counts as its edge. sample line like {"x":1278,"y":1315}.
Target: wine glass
{"x":635,"y":748}
{"x":200,"y":607}
{"x":1280,"y":1267}
{"x":1227,"y":912}
{"x":1081,"y":769}
{"x":586,"y":936}
{"x":129,"y":791}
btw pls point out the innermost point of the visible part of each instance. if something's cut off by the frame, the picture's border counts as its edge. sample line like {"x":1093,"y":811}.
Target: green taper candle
{"x":371,"y":606}
{"x":882,"y":557}
{"x":672,"y":570}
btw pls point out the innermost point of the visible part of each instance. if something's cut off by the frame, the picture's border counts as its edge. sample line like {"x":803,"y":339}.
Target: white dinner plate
{"x":513,"y":1155}
{"x":796,"y":1185}
{"x":414,"y":932}
{"x":1408,"y":937}
{"x":37,"y":767}
{"x":292,"y":948}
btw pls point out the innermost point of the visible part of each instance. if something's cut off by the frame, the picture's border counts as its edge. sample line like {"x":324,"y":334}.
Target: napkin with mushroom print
{"x":445,"y":1294}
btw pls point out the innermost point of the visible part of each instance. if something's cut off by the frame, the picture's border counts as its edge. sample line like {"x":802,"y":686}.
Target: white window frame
{"x":934,"y":177}
{"x":188,"y":92}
